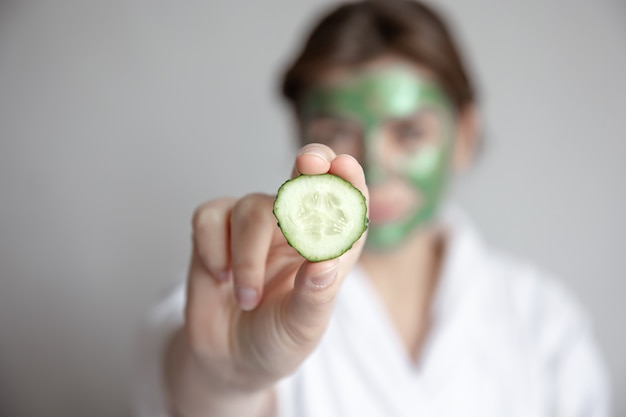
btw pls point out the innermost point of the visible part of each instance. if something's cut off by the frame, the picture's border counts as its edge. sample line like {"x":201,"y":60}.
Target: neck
{"x":405,"y":279}
{"x":415,"y":262}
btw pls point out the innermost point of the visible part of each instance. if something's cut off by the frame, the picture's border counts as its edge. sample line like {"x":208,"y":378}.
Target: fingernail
{"x":315,"y":151}
{"x":325,"y":278}
{"x":247,"y":297}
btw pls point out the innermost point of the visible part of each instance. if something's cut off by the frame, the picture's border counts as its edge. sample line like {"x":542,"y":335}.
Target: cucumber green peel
{"x":321,"y":216}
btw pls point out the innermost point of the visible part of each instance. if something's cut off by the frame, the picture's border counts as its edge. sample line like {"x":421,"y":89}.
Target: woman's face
{"x":401,"y":126}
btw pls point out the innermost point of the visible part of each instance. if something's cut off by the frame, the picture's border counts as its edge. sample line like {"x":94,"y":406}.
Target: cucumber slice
{"x":321,"y":216}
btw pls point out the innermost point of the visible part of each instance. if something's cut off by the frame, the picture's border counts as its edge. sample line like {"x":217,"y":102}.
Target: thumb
{"x":311,"y":302}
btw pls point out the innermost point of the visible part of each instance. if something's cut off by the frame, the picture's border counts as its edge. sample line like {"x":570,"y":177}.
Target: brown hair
{"x":357,"y":32}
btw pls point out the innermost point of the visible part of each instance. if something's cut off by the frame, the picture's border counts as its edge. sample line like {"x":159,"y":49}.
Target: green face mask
{"x":373,"y":99}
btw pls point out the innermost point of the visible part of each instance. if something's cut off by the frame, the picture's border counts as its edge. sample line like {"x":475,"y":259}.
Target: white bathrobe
{"x":506,"y":340}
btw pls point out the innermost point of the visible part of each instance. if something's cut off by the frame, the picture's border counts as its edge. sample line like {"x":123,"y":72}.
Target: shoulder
{"x":544,"y":311}
{"x":557,"y":332}
{"x":526,"y":315}
{"x":543,"y":303}
{"x":540,"y":303}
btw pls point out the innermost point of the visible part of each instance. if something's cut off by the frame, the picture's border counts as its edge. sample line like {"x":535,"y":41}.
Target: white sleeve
{"x":148,"y":391}
{"x":582,"y":388}
{"x":580,"y":379}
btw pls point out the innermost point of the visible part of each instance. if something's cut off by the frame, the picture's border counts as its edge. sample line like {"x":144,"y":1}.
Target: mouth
{"x":392,"y":211}
{"x":393,"y":201}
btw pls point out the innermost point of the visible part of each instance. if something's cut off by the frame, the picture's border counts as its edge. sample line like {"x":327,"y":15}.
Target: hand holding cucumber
{"x":255,"y":307}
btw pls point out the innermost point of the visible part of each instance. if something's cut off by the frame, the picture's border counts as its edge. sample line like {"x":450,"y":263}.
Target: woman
{"x":420,"y":317}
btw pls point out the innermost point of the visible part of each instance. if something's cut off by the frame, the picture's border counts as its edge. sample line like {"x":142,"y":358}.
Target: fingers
{"x":310,"y":304}
{"x":312,"y":159}
{"x":348,"y":168}
{"x":207,"y":311}
{"x":252,"y":228}
{"x":232,"y":239}
{"x":315,"y":158}
{"x":211,"y":236}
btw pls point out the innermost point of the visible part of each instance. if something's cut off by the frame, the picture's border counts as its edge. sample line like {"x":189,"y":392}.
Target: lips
{"x":392,"y":202}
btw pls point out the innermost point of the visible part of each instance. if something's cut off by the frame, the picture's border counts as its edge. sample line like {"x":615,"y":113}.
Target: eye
{"x":408,"y":133}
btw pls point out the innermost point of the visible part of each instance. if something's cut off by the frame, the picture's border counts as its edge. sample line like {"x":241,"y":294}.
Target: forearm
{"x":191,"y":393}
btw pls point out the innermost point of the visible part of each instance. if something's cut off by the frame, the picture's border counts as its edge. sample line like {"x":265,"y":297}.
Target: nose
{"x":373,"y":159}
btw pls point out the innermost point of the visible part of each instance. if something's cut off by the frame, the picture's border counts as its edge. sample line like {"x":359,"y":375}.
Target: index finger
{"x":313,"y":158}
{"x":316,"y":158}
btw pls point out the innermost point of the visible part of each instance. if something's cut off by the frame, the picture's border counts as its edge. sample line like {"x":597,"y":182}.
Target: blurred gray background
{"x":118,"y":117}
